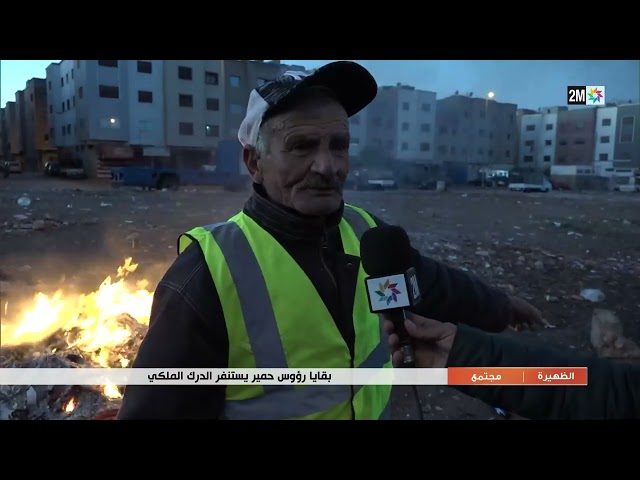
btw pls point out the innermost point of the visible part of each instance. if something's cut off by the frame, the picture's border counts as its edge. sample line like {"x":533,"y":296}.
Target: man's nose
{"x":324,"y":161}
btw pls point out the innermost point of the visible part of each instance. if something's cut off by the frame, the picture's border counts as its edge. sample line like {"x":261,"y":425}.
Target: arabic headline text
{"x":266,"y":376}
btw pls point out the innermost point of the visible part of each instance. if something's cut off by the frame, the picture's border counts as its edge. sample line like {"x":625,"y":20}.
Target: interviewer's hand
{"x":525,"y":316}
{"x":432,"y":341}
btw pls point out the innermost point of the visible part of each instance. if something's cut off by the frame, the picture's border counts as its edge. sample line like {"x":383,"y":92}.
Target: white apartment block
{"x":537,"y":142}
{"x":104,"y":111}
{"x":401,"y":120}
{"x":605,"y":140}
{"x":358,"y":130}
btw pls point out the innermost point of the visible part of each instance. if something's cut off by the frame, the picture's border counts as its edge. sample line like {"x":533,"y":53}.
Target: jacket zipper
{"x":323,"y":246}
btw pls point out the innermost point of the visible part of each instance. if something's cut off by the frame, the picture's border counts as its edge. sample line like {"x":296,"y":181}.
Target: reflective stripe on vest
{"x":257,"y":340}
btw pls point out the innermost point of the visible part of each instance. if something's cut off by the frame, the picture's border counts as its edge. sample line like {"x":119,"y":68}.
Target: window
{"x":604,"y":139}
{"x":549,"y":126}
{"x":185,"y":73}
{"x":211,"y":78}
{"x":530,"y":128}
{"x":606,"y":122}
{"x":185,"y":128}
{"x":425,"y":127}
{"x":578,"y":141}
{"x":626,"y":129}
{"x":145,"y":66}
{"x":185,"y":100}
{"x":212,"y":130}
{"x":80,"y":92}
{"x":77,"y":63}
{"x":405,"y":146}
{"x":405,"y":127}
{"x":546,"y":158}
{"x":50,"y":108}
{"x":405,"y":105}
{"x":108,"y":63}
{"x":547,"y":142}
{"x":68,"y":105}
{"x":234,"y":81}
{"x":213,"y":104}
{"x":528,"y":158}
{"x":145,"y":96}
{"x":603,"y":157}
{"x":425,"y":147}
{"x":107,"y":91}
{"x":528,"y":143}
{"x":426,"y":107}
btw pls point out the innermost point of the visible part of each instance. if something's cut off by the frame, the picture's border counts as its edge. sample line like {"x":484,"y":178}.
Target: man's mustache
{"x":323,"y":183}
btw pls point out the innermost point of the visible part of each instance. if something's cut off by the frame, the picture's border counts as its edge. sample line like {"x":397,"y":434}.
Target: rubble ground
{"x":549,"y":248}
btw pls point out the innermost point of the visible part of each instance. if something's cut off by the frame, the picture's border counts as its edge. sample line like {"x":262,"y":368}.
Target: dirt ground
{"x":544,"y":247}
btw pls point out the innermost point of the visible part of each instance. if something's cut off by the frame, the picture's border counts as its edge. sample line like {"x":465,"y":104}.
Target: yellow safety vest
{"x":276,"y":319}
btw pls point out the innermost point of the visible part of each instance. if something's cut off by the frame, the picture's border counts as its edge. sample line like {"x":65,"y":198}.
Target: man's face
{"x":308,"y":157}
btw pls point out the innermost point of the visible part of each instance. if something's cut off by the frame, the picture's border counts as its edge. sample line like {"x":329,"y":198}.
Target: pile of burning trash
{"x":100,"y":329}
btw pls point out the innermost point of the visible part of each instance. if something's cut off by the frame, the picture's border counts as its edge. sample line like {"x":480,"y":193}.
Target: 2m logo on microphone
{"x":585,"y":95}
{"x":388,"y":292}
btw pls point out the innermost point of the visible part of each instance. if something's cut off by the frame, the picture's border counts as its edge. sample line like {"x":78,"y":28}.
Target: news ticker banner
{"x":548,"y":376}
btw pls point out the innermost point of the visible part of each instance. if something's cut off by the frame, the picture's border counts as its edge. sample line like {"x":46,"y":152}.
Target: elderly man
{"x":280,"y":285}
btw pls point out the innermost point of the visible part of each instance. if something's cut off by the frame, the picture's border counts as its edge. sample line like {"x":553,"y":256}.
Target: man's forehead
{"x":329,"y":114}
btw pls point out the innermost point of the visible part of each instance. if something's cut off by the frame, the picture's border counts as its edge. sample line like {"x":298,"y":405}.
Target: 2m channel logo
{"x":585,"y":95}
{"x":388,"y":292}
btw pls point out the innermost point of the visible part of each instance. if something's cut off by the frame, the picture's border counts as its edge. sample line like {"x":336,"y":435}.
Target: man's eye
{"x":341,"y":145}
{"x":303,"y":146}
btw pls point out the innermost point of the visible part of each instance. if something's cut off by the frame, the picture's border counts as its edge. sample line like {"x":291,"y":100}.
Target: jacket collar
{"x":285,"y":223}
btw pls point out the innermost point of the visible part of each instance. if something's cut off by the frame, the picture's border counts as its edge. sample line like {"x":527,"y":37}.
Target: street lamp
{"x":490,"y":96}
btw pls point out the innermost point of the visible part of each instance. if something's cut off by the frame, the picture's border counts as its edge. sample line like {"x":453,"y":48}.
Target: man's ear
{"x":250,"y":156}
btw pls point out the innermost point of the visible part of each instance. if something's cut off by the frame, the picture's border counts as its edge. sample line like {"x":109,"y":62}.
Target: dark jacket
{"x":187,"y":328}
{"x":612,"y":392}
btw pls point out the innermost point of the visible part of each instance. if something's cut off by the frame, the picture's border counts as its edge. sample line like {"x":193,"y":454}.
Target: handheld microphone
{"x":392,"y":284}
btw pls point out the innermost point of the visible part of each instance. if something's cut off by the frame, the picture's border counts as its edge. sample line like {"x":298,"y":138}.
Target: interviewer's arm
{"x":184,"y":332}
{"x":613,"y":390}
{"x":452,"y":295}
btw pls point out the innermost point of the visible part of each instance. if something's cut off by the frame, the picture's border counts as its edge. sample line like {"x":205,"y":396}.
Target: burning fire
{"x":70,"y":406}
{"x":94,"y":316}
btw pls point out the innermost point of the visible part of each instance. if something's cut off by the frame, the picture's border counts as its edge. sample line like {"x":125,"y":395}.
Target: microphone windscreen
{"x":385,"y":250}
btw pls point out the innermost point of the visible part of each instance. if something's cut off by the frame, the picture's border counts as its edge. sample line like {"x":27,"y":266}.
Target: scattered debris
{"x":608,"y":339}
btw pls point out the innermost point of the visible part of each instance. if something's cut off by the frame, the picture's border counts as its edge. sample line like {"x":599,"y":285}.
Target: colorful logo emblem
{"x":595,"y":95}
{"x":387,"y":292}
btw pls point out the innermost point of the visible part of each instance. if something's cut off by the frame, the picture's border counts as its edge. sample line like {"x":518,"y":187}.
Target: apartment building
{"x":206,"y":100}
{"x":626,"y":151}
{"x":605,"y":140}
{"x":4,"y":136}
{"x":358,"y":130}
{"x":37,"y":147}
{"x":537,"y":138}
{"x":473,"y":134}
{"x":14,"y":134}
{"x":400,"y":121}
{"x":576,"y":137}
{"x":104,"y":113}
